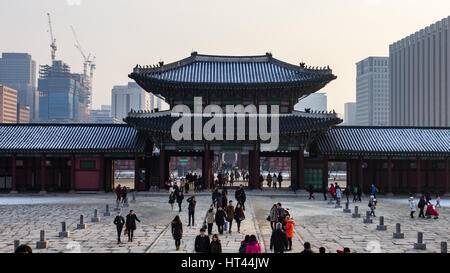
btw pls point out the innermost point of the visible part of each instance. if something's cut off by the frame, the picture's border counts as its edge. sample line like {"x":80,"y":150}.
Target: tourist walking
{"x":123,"y":194}
{"x":180,"y":198}
{"x":172,"y":198}
{"x":279,"y":240}
{"x":355,"y":193}
{"x":311,"y":192}
{"x":289,"y":226}
{"x":359,"y":194}
{"x":421,"y":206}
{"x":191,"y":210}
{"x":229,"y":211}
{"x":269,"y":180}
{"x":240,"y":196}
{"x":280,"y":179}
{"x":332,"y":191}
{"x":177,"y":231}
{"x":374,"y":191}
{"x":220,"y":219}
{"x":347,"y":193}
{"x":244,"y":244}
{"x":274,"y":179}
{"x":438,"y":201}
{"x":118,"y":192}
{"x":210,"y":218}
{"x":202,"y":244}
{"x":131,"y":224}
{"x":338,"y":195}
{"x":412,"y":206}
{"x":119,"y":221}
{"x":372,"y":205}
{"x":239,"y":216}
{"x":325,"y":190}
{"x":253,"y":246}
{"x":273,"y":216}
{"x":428,"y":197}
{"x":214,"y":195}
{"x":216,"y":246}
{"x":260,"y":182}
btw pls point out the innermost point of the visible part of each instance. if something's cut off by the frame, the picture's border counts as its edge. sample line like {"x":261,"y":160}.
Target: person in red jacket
{"x":253,"y":246}
{"x":289,"y":231}
{"x":332,"y":191}
{"x":118,"y":192}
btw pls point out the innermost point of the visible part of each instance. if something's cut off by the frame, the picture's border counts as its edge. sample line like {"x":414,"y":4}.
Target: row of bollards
{"x":397,"y":234}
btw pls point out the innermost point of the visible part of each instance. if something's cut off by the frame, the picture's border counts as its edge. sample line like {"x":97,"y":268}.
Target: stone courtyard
{"x":320,"y":223}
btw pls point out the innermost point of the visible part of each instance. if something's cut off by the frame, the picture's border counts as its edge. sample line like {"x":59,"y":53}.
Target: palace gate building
{"x":79,"y":157}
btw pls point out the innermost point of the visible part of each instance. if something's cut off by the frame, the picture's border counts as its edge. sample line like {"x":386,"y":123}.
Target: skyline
{"x":146,"y":35}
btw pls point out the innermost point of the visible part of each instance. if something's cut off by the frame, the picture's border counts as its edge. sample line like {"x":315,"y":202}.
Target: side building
{"x":8,"y":105}
{"x":349,"y":113}
{"x":420,"y":77}
{"x":372,"y":92}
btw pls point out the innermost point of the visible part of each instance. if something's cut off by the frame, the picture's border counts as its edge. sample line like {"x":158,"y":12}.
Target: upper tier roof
{"x":212,"y":69}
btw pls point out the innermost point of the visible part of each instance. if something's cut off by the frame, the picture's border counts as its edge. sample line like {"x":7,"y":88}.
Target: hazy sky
{"x":122,"y":33}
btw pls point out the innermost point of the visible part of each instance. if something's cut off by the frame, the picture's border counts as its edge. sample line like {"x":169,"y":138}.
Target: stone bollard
{"x":107,"y":213}
{"x":42,"y":243}
{"x":398,"y":234}
{"x":16,"y":244}
{"x":134,"y":197}
{"x":381,"y":226}
{"x":64,"y":233}
{"x":356,"y":213}
{"x":117,"y":205}
{"x":95,"y":218}
{"x":420,"y":245}
{"x":81,"y":225}
{"x":367,"y":220}
{"x":347,"y":210}
{"x":443,"y":247}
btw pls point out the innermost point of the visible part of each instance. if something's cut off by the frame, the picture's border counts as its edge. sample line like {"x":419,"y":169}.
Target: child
{"x":412,"y":206}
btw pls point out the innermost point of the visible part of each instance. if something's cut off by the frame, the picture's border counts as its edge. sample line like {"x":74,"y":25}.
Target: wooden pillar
{"x":389,"y":167}
{"x":301,"y":169}
{"x":13,"y":174}
{"x":257,"y":163}
{"x":325,"y":172}
{"x":206,"y":171}
{"x":419,"y":175}
{"x":72,"y":173}
{"x":162,"y":166}
{"x":253,"y":168}
{"x":360,"y":175}
{"x":136,"y":172}
{"x":43,"y":177}
{"x":447,"y":175}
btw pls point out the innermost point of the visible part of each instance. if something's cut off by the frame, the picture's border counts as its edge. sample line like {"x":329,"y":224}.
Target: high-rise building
{"x":18,"y":71}
{"x":8,"y":105}
{"x":314,"y":102}
{"x":349,"y":113}
{"x":132,"y":97}
{"x":23,"y":113}
{"x":420,"y":75}
{"x":372,"y":92}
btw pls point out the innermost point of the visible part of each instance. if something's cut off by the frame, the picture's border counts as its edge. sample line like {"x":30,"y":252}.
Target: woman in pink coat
{"x":253,"y":246}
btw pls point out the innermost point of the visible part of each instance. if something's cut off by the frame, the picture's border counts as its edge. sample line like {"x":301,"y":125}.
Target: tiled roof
{"x":296,"y":122}
{"x":354,"y":140}
{"x":36,"y":138}
{"x":210,"y":69}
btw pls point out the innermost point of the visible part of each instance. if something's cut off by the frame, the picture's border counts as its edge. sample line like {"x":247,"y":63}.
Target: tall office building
{"x":315,"y":102}
{"x":420,"y":87}
{"x":132,"y":97}
{"x":18,"y":71}
{"x":349,"y":113}
{"x":372,"y":92}
{"x":8,"y":105}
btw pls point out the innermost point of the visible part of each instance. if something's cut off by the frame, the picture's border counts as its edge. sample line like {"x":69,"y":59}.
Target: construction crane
{"x":52,"y":39}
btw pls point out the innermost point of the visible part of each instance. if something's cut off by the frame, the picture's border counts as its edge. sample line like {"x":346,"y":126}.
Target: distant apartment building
{"x":349,"y":113}
{"x":314,"y":102}
{"x":372,"y":92}
{"x":18,"y":71}
{"x":103,"y":115}
{"x":8,"y":105}
{"x":132,"y":97}
{"x":420,"y":77}
{"x":23,"y":113}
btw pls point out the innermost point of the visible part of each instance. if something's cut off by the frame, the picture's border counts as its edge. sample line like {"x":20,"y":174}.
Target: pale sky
{"x":123,"y":33}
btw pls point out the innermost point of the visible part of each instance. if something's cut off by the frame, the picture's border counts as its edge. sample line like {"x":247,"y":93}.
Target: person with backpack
{"x":279,"y":240}
{"x":191,"y":210}
{"x":244,"y":244}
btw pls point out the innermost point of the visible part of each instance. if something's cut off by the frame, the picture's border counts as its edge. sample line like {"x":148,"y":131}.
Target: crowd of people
{"x":425,"y":202}
{"x":185,"y":184}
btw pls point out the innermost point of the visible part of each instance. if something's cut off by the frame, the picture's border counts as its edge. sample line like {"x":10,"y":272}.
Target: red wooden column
{"x":447,"y":175}
{"x":301,"y":169}
{"x":43,"y":177}
{"x":162,"y":166}
{"x":13,"y":175}
{"x":389,"y":175}
{"x":72,"y":173}
{"x":257,"y":163}
{"x":360,"y":174}
{"x":325,"y":172}
{"x":206,"y":171}
{"x":419,"y":174}
{"x":102,"y":173}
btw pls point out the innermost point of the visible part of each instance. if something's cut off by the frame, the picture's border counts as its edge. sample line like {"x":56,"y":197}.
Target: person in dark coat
{"x":239,"y":216}
{"x":202,"y":244}
{"x":240,"y":196}
{"x":119,"y":221}
{"x":278,"y":240}
{"x":311,"y":191}
{"x":131,"y":224}
{"x":280,"y":179}
{"x":421,"y":206}
{"x":219,"y":200}
{"x":180,"y":197}
{"x":118,"y":192}
{"x":177,"y":231}
{"x":307,"y":249}
{"x":325,"y":190}
{"x":191,"y":210}
{"x":220,"y":219}
{"x":214,"y":195}
{"x":229,"y":211}
{"x":216,"y":246}
{"x":124,"y":193}
{"x":172,"y":199}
